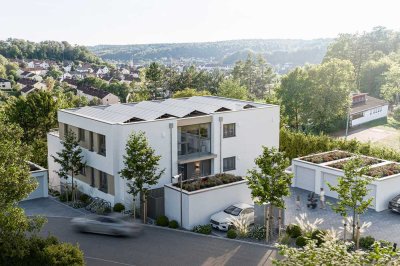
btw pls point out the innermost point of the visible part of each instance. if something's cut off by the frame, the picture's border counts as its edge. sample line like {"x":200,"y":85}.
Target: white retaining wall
{"x":198,"y":206}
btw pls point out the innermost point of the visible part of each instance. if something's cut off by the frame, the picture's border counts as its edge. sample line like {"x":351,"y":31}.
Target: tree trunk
{"x":345,"y":230}
{"x":354,"y":224}
{"x":144,"y":208}
{"x":72,"y":187}
{"x":358,"y":233}
{"x":267,"y":224}
{"x":134,"y":208}
{"x":279,"y":221}
{"x":271,"y":221}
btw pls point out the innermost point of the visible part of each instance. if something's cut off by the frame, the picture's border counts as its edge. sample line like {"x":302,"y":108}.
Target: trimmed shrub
{"x":173,"y":224}
{"x":119,"y":207}
{"x":231,"y":234}
{"x":203,"y":229}
{"x":64,"y":254}
{"x":366,"y":242}
{"x":84,"y":198}
{"x":257,"y":232}
{"x":162,"y":220}
{"x":301,"y":241}
{"x":318,"y":235}
{"x":293,"y":230}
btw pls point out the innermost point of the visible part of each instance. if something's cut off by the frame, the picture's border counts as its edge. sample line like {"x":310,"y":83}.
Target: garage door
{"x":305,"y":178}
{"x":332,"y":180}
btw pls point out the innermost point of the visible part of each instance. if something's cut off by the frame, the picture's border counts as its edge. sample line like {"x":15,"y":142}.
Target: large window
{"x":194,"y":139}
{"x":91,"y":142}
{"x":229,"y":163}
{"x":102,"y":144}
{"x":81,"y":134}
{"x":229,"y":130}
{"x":195,"y":169}
{"x":103,"y":182}
{"x":65,"y":129}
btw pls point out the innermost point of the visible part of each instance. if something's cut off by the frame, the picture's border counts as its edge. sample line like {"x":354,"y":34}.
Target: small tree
{"x":352,"y":190}
{"x":141,"y":167}
{"x":270,"y":183}
{"x":70,"y":159}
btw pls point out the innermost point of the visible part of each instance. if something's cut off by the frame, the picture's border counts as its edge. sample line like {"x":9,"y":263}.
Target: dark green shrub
{"x":366,"y":242}
{"x":162,"y":220}
{"x":257,"y":232}
{"x":318,"y":235}
{"x":203,"y":229}
{"x":119,"y":207}
{"x":84,"y":198}
{"x":301,"y":241}
{"x":293,"y":230}
{"x":396,"y":114}
{"x":173,"y":224}
{"x":63,"y":196}
{"x":231,"y":233}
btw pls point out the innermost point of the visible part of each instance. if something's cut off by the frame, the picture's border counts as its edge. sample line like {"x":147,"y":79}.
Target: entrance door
{"x":195,"y":169}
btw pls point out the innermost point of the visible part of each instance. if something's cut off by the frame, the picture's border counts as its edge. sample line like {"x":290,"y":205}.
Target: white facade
{"x":371,"y":114}
{"x":312,"y":177}
{"x":5,"y":84}
{"x":198,"y":206}
{"x":255,"y":127}
{"x":40,"y":175}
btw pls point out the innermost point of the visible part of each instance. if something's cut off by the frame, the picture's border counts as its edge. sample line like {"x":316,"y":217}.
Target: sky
{"x":91,"y":22}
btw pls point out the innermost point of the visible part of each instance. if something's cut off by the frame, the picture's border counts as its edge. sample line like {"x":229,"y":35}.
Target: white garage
{"x":305,"y":178}
{"x":40,"y":175}
{"x":315,"y":171}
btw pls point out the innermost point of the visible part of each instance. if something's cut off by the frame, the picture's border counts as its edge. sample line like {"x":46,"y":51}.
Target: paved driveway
{"x":49,"y":207}
{"x":385,"y":224}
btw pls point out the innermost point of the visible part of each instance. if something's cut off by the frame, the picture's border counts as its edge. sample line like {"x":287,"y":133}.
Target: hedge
{"x":297,"y":144}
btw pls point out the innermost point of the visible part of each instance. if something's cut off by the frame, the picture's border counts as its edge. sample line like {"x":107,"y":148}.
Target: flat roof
{"x":153,"y":110}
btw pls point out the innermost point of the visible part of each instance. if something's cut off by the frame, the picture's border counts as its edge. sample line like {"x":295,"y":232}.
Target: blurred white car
{"x":105,"y":225}
{"x":240,"y":211}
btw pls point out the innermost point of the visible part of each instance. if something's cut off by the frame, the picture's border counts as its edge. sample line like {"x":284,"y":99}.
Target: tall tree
{"x":391,"y":85}
{"x":269,"y":183}
{"x":231,"y":88}
{"x":70,"y":159}
{"x":294,"y":94}
{"x":352,"y":189}
{"x":189,"y":93}
{"x":140,"y":168}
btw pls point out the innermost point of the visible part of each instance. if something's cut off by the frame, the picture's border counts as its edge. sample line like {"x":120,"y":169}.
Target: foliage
{"x":207,"y":182}
{"x":231,"y":234}
{"x":140,"y":164}
{"x":391,"y":86}
{"x":301,"y":241}
{"x":366,"y":242}
{"x":298,"y":144}
{"x":293,"y":230}
{"x":241,"y":226}
{"x":162,"y":220}
{"x":318,"y":235}
{"x":119,"y":207}
{"x":64,"y":196}
{"x":22,"y":49}
{"x":189,"y":93}
{"x":231,"y":88}
{"x":64,"y":254}
{"x":396,"y":114}
{"x":203,"y":229}
{"x":173,"y":224}
{"x":327,"y":157}
{"x":270,"y":183}
{"x":85,"y":198}
{"x":257,"y":232}
{"x":255,"y":74}
{"x":384,"y":170}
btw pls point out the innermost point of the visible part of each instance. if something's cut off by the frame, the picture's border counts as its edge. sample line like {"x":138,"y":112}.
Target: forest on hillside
{"x":275,"y":51}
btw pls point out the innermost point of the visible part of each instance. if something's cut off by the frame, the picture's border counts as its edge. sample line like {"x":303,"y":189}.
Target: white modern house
{"x":5,"y":84}
{"x":365,"y":108}
{"x":315,"y":171}
{"x":197,"y":136}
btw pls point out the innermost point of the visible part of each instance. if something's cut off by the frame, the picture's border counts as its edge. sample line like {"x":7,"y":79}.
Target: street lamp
{"x":179,"y":177}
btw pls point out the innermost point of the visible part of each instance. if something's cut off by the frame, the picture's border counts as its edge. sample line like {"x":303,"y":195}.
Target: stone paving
{"x":385,"y":224}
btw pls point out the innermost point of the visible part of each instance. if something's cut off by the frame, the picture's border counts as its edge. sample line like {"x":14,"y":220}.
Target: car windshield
{"x":233,"y":210}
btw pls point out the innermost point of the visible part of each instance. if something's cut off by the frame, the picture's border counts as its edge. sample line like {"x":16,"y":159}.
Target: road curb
{"x":212,"y":236}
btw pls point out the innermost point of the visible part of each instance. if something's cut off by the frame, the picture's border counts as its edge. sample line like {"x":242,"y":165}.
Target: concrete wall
{"x":386,"y":189}
{"x":368,"y":116}
{"x":198,"y":206}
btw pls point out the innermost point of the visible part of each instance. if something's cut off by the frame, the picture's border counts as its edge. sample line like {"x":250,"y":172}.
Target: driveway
{"x":49,"y":207}
{"x":158,"y":246}
{"x":385,"y":224}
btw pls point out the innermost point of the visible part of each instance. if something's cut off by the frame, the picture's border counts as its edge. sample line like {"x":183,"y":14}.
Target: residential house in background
{"x":5,"y":84}
{"x":365,"y":108}
{"x":90,"y":93}
{"x":196,"y":137}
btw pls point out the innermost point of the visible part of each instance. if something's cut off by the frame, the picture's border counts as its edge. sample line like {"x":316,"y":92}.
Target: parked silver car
{"x":105,"y":225}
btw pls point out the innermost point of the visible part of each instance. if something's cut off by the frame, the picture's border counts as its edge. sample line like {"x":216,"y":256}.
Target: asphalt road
{"x":156,"y":246}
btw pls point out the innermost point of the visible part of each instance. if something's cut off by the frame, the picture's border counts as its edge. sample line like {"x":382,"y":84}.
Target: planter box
{"x":199,"y":205}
